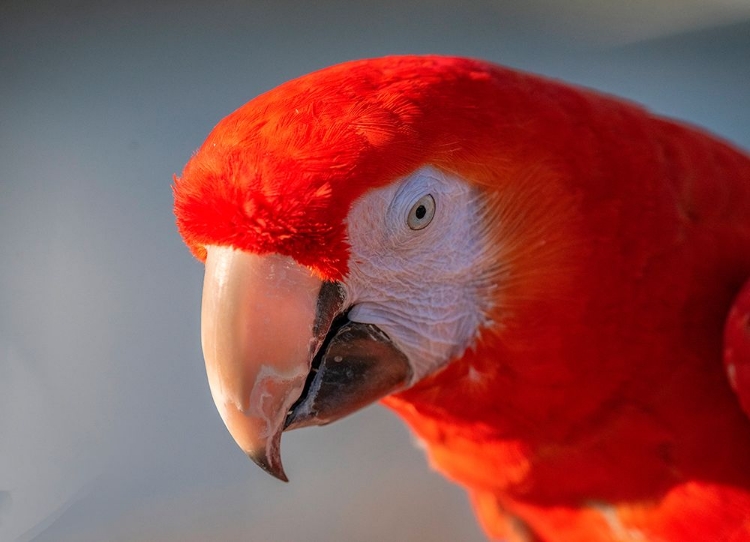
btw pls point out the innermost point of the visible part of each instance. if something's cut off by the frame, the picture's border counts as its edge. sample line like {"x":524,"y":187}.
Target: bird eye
{"x":421,"y":213}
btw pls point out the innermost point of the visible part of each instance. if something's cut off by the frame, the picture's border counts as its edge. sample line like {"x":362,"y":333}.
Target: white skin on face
{"x":427,"y":288}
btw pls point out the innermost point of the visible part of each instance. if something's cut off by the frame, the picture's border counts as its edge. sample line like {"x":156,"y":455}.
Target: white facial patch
{"x":423,"y":281}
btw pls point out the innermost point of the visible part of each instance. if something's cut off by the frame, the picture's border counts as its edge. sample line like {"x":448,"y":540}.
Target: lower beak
{"x":264,"y":321}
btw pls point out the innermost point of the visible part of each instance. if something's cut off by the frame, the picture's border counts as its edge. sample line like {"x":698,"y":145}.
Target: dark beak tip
{"x":274,"y":468}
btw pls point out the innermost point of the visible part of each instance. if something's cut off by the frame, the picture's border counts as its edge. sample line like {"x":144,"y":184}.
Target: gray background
{"x":107,"y":429}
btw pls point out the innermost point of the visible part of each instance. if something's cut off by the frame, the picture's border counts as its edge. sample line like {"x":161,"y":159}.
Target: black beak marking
{"x":354,"y":364}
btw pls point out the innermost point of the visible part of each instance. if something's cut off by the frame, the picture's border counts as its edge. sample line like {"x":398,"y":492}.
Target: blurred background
{"x":107,"y":428}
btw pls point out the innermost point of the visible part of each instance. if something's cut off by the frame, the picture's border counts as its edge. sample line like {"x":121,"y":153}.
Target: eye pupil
{"x":421,"y":213}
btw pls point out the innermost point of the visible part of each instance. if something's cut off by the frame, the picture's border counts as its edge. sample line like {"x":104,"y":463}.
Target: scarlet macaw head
{"x":351,"y":246}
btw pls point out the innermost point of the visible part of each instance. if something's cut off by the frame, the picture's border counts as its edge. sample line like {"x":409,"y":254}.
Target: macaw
{"x":549,"y":285}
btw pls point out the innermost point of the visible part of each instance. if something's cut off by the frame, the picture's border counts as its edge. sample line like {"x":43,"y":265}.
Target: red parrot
{"x":545,"y":283}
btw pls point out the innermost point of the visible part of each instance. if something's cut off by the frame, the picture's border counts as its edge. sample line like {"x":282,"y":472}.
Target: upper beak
{"x":263,"y":320}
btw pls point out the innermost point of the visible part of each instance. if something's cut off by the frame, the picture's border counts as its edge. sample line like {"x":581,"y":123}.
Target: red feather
{"x":596,"y":406}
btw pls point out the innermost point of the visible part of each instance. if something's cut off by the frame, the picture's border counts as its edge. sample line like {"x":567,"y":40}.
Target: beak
{"x":280,"y":352}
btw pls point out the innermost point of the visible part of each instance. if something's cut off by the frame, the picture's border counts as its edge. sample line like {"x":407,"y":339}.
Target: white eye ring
{"x":421,"y":213}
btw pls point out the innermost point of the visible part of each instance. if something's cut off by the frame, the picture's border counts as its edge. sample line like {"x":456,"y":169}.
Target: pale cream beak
{"x":263,"y":322}
{"x":257,"y":329}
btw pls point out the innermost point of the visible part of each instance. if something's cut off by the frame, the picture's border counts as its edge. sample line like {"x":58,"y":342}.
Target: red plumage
{"x":603,"y":410}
